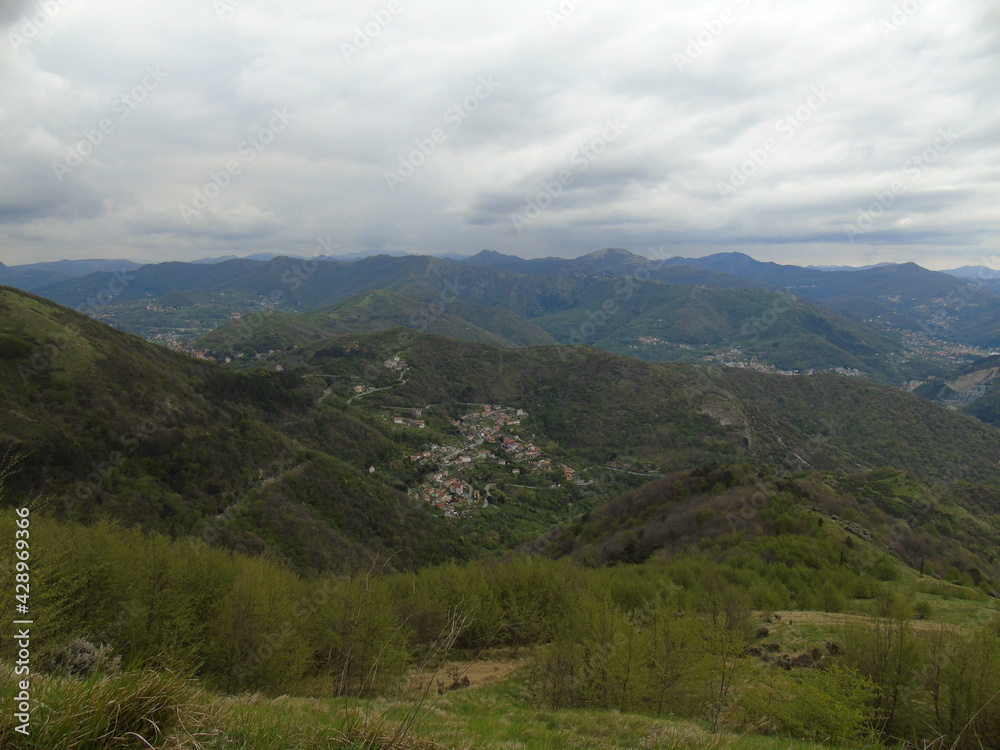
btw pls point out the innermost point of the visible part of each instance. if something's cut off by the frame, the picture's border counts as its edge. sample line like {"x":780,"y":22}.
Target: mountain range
{"x":722,"y":308}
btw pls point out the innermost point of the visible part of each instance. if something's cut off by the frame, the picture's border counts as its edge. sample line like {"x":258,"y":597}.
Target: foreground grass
{"x":166,"y":711}
{"x":497,"y":717}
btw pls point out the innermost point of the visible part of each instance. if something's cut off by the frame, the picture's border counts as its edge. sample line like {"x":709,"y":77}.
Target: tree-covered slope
{"x":894,"y":295}
{"x":607,"y":406}
{"x":867,"y":516}
{"x":110,"y":425}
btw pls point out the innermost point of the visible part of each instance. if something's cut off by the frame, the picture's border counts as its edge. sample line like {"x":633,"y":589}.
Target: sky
{"x":796,"y":131}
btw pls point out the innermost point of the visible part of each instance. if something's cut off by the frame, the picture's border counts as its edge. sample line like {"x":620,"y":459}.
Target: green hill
{"x":675,"y":415}
{"x":612,"y":262}
{"x":111,"y":426}
{"x":381,"y":310}
{"x":736,"y":552}
{"x":885,"y":514}
{"x":893,"y":295}
{"x":670,"y":323}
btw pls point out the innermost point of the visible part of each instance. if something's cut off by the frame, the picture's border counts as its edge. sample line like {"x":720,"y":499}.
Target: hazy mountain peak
{"x":849,"y":268}
{"x":719,"y":260}
{"x":973,"y":272}
{"x":614,"y":254}
{"x":490,"y":255}
{"x":734,"y":255}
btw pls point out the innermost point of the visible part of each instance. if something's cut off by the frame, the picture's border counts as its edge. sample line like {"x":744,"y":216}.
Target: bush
{"x":830,"y":705}
{"x":923,"y":610}
{"x":831,"y":599}
{"x":82,"y":659}
{"x":14,"y":347}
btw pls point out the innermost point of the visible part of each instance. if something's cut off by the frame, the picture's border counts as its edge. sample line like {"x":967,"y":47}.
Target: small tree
{"x":886,"y":652}
{"x":831,"y":598}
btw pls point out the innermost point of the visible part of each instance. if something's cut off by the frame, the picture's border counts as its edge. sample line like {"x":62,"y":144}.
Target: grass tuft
{"x":126,"y":710}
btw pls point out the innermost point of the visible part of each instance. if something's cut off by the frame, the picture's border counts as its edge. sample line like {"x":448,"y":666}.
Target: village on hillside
{"x":489,"y":446}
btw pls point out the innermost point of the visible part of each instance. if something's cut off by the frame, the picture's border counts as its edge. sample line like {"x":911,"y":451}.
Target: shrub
{"x":923,"y":610}
{"x":824,"y":706}
{"x":82,"y":659}
{"x":831,"y":599}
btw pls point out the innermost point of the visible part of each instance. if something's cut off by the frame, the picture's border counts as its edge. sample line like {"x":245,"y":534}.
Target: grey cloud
{"x":688,"y":127}
{"x":12,"y":11}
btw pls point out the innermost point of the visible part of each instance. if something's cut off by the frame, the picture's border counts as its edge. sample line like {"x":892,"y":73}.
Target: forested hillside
{"x":108,"y":425}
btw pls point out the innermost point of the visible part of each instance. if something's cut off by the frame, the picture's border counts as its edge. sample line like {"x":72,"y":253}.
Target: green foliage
{"x":831,"y":598}
{"x":923,"y":610}
{"x":602,"y":657}
{"x":362,"y":645}
{"x":669,"y":636}
{"x":887,"y":653}
{"x":830,"y":706}
{"x":83,"y":659}
{"x":14,"y":347}
{"x":962,"y":682}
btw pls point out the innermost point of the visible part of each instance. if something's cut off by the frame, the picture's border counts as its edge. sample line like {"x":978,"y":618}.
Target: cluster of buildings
{"x":396,"y":364}
{"x":847,"y":371}
{"x":758,"y":367}
{"x":729,"y":359}
{"x":484,"y":448}
{"x":925,"y":346}
{"x":657,"y":341}
{"x":733,"y":358}
{"x":448,"y":493}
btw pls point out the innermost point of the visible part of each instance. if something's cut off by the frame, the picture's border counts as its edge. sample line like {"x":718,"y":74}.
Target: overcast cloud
{"x":795,"y":131}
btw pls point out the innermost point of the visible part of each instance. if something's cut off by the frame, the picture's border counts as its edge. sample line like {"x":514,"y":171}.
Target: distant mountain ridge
{"x":636,"y":314}
{"x":33,"y":276}
{"x":900,"y":295}
{"x":848,"y":268}
{"x":984,"y":273}
{"x":564,"y":296}
{"x":611,"y":262}
{"x":613,"y":299}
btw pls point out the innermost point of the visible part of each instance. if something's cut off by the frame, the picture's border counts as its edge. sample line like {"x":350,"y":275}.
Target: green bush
{"x":831,"y":705}
{"x":831,"y":598}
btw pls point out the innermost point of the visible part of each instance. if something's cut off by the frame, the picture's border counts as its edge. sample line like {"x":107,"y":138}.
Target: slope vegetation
{"x":111,"y":426}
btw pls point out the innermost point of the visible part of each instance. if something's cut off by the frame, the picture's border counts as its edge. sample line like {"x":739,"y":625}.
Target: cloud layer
{"x":793,"y":131}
